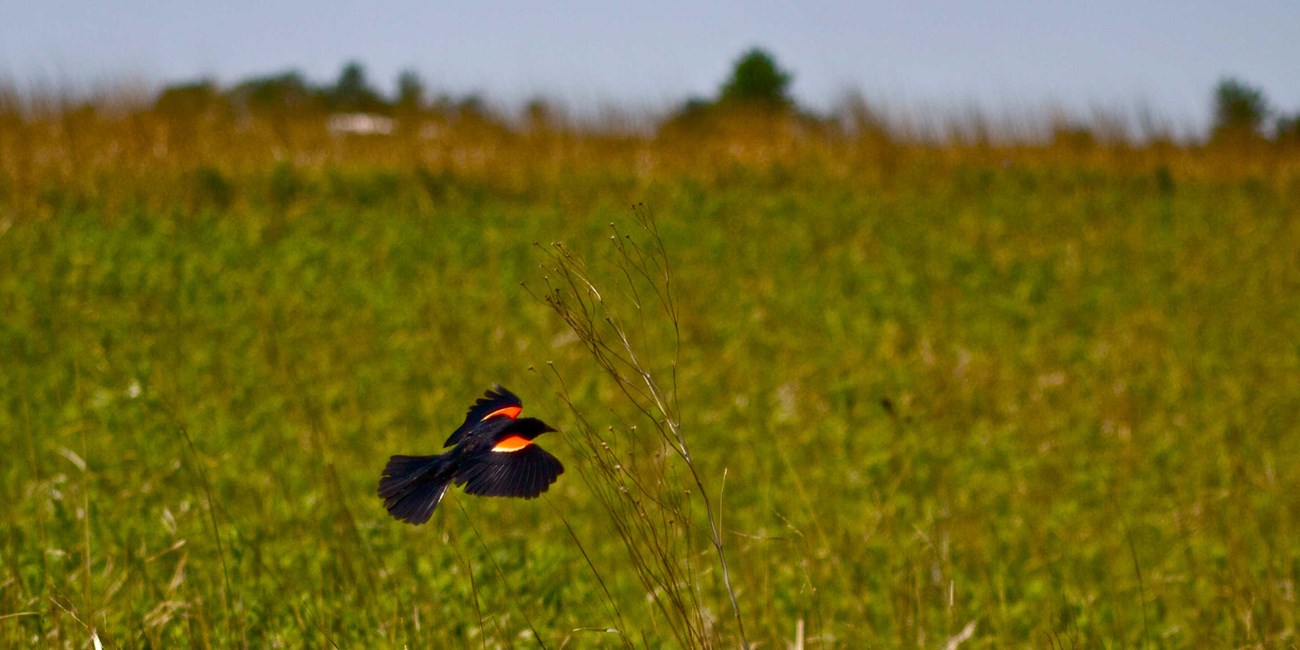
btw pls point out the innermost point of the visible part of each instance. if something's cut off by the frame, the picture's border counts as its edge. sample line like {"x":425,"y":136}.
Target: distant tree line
{"x":757,"y":86}
{"x":290,"y":93}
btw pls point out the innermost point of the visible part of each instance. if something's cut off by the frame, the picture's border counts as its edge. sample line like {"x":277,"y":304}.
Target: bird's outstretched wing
{"x":497,"y":402}
{"x":525,"y":473}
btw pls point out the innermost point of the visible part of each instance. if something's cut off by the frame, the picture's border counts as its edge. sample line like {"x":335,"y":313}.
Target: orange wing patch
{"x":511,"y":412}
{"x":512,"y":443}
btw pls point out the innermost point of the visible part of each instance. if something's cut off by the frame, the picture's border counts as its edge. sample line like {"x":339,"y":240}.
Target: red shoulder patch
{"x":511,"y":412}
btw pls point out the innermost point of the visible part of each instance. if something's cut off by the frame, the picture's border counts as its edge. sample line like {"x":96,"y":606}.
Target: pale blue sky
{"x":1015,"y":54}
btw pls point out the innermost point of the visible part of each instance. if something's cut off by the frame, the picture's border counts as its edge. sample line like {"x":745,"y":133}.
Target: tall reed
{"x":653,"y":500}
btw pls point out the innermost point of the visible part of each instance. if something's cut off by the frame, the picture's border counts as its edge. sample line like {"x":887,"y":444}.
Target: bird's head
{"x":530,"y":428}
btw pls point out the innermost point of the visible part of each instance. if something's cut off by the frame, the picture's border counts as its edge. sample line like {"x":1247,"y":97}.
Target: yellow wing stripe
{"x":513,"y":443}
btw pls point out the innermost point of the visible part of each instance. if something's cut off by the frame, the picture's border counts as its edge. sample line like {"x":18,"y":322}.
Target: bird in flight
{"x":492,"y":454}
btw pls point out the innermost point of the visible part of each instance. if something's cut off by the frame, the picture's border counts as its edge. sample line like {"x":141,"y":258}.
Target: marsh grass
{"x":936,"y":393}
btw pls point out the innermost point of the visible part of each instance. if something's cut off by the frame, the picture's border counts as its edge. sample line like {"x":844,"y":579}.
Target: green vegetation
{"x":1048,"y":391}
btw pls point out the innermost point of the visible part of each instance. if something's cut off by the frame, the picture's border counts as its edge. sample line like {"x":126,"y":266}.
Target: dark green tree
{"x":410,"y":92}
{"x":273,"y":95}
{"x":757,"y":80}
{"x":353,"y":92}
{"x":758,"y":86}
{"x":1239,"y":111}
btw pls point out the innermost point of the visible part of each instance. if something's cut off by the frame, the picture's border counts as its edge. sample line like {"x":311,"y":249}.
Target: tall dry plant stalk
{"x":646,"y":485}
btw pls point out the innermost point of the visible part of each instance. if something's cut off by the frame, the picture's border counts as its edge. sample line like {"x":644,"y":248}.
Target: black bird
{"x":494,"y":455}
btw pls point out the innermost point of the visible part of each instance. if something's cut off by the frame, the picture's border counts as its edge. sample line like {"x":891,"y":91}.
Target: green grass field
{"x":1052,"y":395}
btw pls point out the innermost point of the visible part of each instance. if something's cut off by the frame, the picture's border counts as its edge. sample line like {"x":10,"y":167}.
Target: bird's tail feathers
{"x":412,"y":486}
